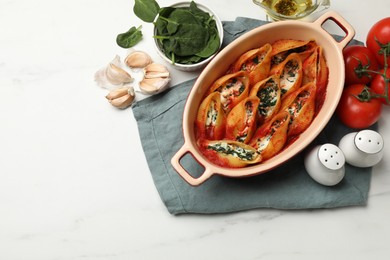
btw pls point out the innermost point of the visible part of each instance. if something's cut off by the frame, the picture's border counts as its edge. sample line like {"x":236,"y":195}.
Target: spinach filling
{"x":267,"y":96}
{"x":234,"y":87}
{"x":233,"y":150}
{"x":212,"y":115}
{"x":296,"y":107}
{"x":248,"y":118}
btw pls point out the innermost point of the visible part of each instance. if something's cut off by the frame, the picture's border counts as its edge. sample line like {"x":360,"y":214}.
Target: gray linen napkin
{"x":289,"y":186}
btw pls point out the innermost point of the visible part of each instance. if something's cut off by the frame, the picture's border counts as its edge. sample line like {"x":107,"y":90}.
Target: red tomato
{"x":378,"y":85}
{"x":355,"y":113}
{"x":379,"y":32}
{"x":357,"y":57}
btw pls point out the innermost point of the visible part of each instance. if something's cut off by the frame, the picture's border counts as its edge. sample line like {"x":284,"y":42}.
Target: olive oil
{"x":288,"y":7}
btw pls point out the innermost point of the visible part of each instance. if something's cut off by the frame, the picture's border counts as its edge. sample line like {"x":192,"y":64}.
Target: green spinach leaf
{"x":212,"y":46}
{"x":201,"y":15}
{"x":189,"y":40}
{"x":129,"y":38}
{"x":146,"y":10}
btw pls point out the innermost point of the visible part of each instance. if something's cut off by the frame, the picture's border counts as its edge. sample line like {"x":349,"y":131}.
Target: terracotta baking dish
{"x":218,"y":66}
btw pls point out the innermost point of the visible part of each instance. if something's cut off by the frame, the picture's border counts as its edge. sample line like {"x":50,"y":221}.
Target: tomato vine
{"x":364,"y":70}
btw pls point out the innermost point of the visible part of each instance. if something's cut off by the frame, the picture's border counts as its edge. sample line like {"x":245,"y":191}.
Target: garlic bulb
{"x":121,"y":97}
{"x":156,"y":79}
{"x":138,"y":59}
{"x":112,"y":75}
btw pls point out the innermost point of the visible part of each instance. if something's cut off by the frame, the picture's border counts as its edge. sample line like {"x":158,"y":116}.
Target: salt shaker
{"x":362,"y":149}
{"x":325,"y":164}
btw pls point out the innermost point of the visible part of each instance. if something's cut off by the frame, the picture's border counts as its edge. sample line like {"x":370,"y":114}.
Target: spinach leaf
{"x":189,"y":40}
{"x":146,"y":10}
{"x":201,"y":15}
{"x":166,"y":26}
{"x":184,"y":16}
{"x":129,"y":38}
{"x":212,"y":46}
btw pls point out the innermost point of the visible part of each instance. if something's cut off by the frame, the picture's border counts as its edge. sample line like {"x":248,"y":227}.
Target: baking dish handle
{"x":341,"y":22}
{"x":175,"y":161}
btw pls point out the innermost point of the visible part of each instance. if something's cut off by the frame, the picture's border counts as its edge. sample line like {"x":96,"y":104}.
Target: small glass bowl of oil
{"x":291,"y":9}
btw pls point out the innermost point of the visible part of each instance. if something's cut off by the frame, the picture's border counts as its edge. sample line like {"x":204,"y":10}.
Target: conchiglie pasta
{"x":210,"y":120}
{"x":257,"y":62}
{"x":301,"y":106}
{"x":315,"y":70}
{"x":269,"y":94}
{"x":241,"y":121}
{"x":290,"y":73}
{"x":233,"y":88}
{"x":229,"y":153}
{"x":271,"y":137}
{"x":282,"y":48}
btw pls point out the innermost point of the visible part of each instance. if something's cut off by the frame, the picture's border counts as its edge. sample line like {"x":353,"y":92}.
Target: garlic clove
{"x":138,"y":59}
{"x":156,"y":79}
{"x":121,"y":97}
{"x":115,"y":74}
{"x":116,"y":93}
{"x":154,"y":74}
{"x":155,"y":70}
{"x":122,"y":102}
{"x":153,"y":85}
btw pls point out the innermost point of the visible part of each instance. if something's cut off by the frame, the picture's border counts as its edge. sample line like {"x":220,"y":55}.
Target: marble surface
{"x":74,"y":183}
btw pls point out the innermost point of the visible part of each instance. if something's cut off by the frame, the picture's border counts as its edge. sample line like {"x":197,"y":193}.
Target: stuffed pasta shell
{"x":316,"y":70}
{"x":269,"y":94}
{"x":227,"y":153}
{"x":210,"y":120}
{"x":282,"y":48}
{"x":257,"y":62}
{"x":233,"y":88}
{"x":301,"y":106}
{"x":271,"y":137}
{"x":290,"y":73}
{"x":241,"y":121}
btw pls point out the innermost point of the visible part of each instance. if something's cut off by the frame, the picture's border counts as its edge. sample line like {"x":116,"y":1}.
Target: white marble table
{"x":74,"y":183}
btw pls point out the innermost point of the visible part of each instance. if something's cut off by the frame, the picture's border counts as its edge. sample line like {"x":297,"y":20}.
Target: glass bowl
{"x":291,"y":9}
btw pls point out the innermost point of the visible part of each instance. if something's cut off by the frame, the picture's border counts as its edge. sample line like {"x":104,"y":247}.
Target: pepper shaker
{"x":362,"y":149}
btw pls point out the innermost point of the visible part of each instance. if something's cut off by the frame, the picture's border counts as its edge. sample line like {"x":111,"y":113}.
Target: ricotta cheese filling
{"x":268,"y":98}
{"x":289,"y":76}
{"x":212,"y":114}
{"x":233,"y":150}
{"x":229,"y":91}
